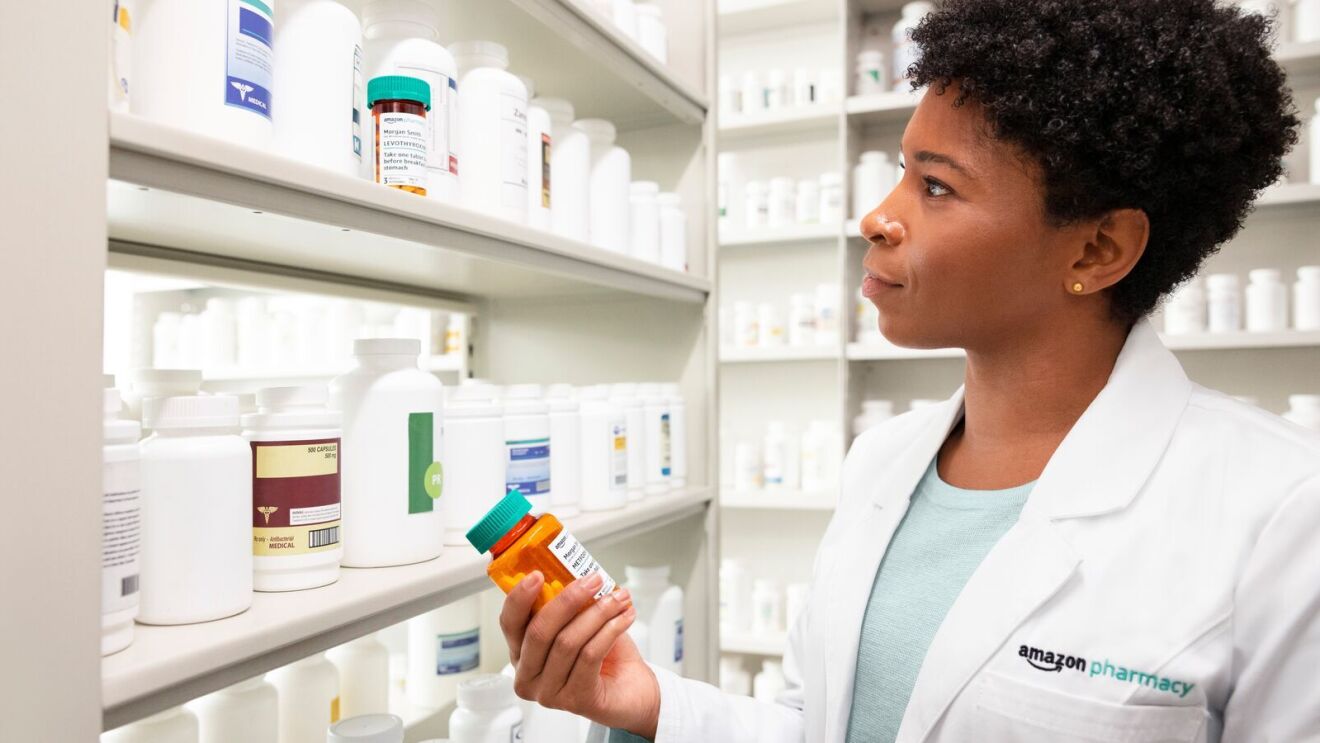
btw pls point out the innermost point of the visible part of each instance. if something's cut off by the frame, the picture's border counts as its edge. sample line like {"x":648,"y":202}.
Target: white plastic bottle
{"x":652,"y":34}
{"x":393,"y":433}
{"x":540,"y":155}
{"x":677,"y":435}
{"x":1224,"y":299}
{"x":831,"y":198}
{"x":604,"y":446}
{"x":871,"y":74}
{"x":644,"y":221}
{"x":753,"y":93}
{"x":196,"y":512}
{"x":474,"y":460}
{"x":308,"y":698}
{"x":673,"y":232}
{"x":747,"y":467}
{"x":1306,"y":299}
{"x":1304,"y":410}
{"x":144,"y":384}
{"x":401,"y":40}
{"x":1185,"y":309}
{"x":207,"y":66}
{"x":756,"y":206}
{"x":527,"y":445}
{"x":624,"y":13}
{"x":735,"y":597}
{"x":804,"y":87}
{"x":487,"y":711}
{"x":808,"y":202}
{"x":320,"y":96}
{"x":121,"y":53}
{"x":874,"y":412}
{"x":660,"y":605}
{"x":1306,"y":20}
{"x":827,"y":314}
{"x":770,"y":331}
{"x":873,"y":177}
{"x":775,"y":458}
{"x":295,"y":439}
{"x":610,"y":185}
{"x":655,"y":409}
{"x":121,"y":525}
{"x":802,"y":321}
{"x":375,"y":728}
{"x":1267,"y":301}
{"x":174,"y":725}
{"x":247,"y":711}
{"x":746,"y":328}
{"x":906,"y":52}
{"x":782,"y":202}
{"x":444,"y":649}
{"x":734,"y":679}
{"x":492,"y":131}
{"x":364,"y":676}
{"x":769,"y":683}
{"x":565,"y":454}
{"x":624,"y":395}
{"x":570,"y":171}
{"x":767,"y":607}
{"x":728,"y":179}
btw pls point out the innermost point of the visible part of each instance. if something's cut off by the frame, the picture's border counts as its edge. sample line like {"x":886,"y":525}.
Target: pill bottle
{"x":565,"y":456}
{"x":121,"y":53}
{"x":1185,"y":310}
{"x":475,"y":458}
{"x":121,"y":525}
{"x":604,"y":446}
{"x":776,"y":449}
{"x":644,"y":221}
{"x":906,"y":51}
{"x":677,"y":435}
{"x":807,"y":209}
{"x":364,"y":676}
{"x":871,"y":77}
{"x":804,"y":87}
{"x":659,"y":467}
{"x":147,"y":383}
{"x":318,"y":52}
{"x":1224,"y":299}
{"x":660,"y":605}
{"x":492,"y":131}
{"x":747,"y":467}
{"x":295,"y":439}
{"x":520,"y":543}
{"x":874,"y":412}
{"x":401,"y":139}
{"x":1267,"y":301}
{"x":802,"y":321}
{"x":308,"y":698}
{"x":444,"y":649}
{"x":540,"y":155}
{"x":753,"y":93}
{"x":831,"y":198}
{"x":393,"y":431}
{"x":782,"y":202}
{"x":756,"y":205}
{"x":196,"y":512}
{"x":673,"y":232}
{"x":769,"y":326}
{"x":527,"y":445}
{"x":776,"y":90}
{"x":247,"y":711}
{"x":487,"y":710}
{"x":1304,"y":410}
{"x":610,"y":187}
{"x":401,"y":40}
{"x":767,"y":608}
{"x":746,"y":325}
{"x":827,"y":314}
{"x":624,"y":395}
{"x":1306,"y":299}
{"x":373,"y":728}
{"x":570,"y":171}
{"x":174,"y":725}
{"x":735,"y":597}
{"x":873,"y":178}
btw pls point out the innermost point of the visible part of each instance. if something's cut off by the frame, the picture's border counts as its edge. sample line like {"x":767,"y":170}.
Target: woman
{"x":1080,"y":545}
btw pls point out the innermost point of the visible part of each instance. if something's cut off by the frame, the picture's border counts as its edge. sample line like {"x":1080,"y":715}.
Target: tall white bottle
{"x":540,"y":149}
{"x":570,"y":171}
{"x":247,"y":711}
{"x":492,"y":131}
{"x":174,"y":725}
{"x":660,"y":605}
{"x":677,"y":435}
{"x":444,"y":649}
{"x":401,"y":40}
{"x":611,"y":184}
{"x":320,"y":96}
{"x":565,"y":457}
{"x":604,"y":446}
{"x":308,"y":699}
{"x":475,"y":459}
{"x":364,"y":676}
{"x":121,"y":525}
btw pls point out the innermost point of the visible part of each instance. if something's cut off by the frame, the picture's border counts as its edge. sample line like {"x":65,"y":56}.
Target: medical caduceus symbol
{"x":266,"y":511}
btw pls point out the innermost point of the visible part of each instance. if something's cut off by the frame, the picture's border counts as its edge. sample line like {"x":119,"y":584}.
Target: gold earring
{"x":1077,"y":287}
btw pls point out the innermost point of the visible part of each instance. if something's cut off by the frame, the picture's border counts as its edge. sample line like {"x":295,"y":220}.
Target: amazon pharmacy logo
{"x":1052,"y":662}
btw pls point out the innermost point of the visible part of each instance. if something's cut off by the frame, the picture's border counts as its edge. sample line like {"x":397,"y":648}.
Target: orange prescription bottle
{"x":399,"y":105}
{"x":520,"y":543}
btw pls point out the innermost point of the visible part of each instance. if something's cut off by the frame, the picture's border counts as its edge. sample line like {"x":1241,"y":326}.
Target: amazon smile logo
{"x":1050,"y":661}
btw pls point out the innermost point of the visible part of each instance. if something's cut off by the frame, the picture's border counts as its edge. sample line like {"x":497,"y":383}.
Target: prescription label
{"x":401,"y":149}
{"x":249,"y":56}
{"x":457,"y":652}
{"x":121,"y":535}
{"x":619,"y":453}
{"x":666,"y":447}
{"x":295,"y":497}
{"x":513,"y":149}
{"x":528,"y":467}
{"x":579,"y":561}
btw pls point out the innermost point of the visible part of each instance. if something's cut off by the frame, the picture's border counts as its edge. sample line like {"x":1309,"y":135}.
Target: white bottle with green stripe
{"x":391,"y":460}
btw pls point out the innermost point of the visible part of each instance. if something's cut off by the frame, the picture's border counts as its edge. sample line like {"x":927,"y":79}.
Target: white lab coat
{"x":1171,"y":548}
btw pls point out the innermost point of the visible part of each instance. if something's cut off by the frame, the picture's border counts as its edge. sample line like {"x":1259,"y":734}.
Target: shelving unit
{"x":779,"y":500}
{"x":748,"y":644}
{"x":801,"y":233}
{"x":776,"y":355}
{"x":802,"y":120}
{"x":116,"y":191}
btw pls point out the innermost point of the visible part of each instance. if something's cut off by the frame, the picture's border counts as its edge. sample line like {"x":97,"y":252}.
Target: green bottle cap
{"x":498,"y":521}
{"x":398,"y":88}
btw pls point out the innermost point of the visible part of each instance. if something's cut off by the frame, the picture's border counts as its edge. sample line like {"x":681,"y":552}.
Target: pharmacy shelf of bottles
{"x":779,"y":500}
{"x":169,"y":665}
{"x":791,"y":234}
{"x":731,"y":355}
{"x":746,"y":643}
{"x":739,"y":17}
{"x":821,"y":119}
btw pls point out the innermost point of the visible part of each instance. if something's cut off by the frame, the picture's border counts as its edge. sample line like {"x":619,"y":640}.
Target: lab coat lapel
{"x":865,"y":543}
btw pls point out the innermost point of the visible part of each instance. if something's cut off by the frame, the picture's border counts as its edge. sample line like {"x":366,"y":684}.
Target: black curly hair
{"x":1174,"y":107}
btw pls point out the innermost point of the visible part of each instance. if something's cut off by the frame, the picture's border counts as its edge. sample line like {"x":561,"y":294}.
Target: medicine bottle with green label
{"x":520,"y":543}
{"x":399,"y":105}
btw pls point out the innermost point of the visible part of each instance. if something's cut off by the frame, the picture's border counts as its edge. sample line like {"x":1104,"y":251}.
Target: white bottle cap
{"x":623,"y":390}
{"x":150,"y":380}
{"x":560,"y":110}
{"x":524,"y":392}
{"x":479,"y":392}
{"x":472,"y":54}
{"x":1222,"y":281}
{"x":1265,"y":276}
{"x":367,"y":729}
{"x":599,"y":131}
{"x":192,"y":411}
{"x":594,"y":392}
{"x":645,"y":188}
{"x":387,"y":347}
{"x":489,"y":691}
{"x":406,"y":11}
{"x":636,"y":574}
{"x":271,"y":398}
{"x":304,"y":406}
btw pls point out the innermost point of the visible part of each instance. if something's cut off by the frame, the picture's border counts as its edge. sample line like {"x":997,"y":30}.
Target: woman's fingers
{"x":517,"y":612}
{"x":565,"y":649}
{"x":584,"y":679}
{"x":545,"y":627}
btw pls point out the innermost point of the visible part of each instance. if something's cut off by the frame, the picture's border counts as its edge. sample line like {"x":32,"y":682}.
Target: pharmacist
{"x":1081,"y":544}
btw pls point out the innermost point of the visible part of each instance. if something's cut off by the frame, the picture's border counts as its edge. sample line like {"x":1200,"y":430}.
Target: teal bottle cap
{"x":498,"y":521}
{"x":398,"y":88}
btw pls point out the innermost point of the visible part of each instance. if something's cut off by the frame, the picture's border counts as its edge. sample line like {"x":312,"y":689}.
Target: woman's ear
{"x":1111,"y":252}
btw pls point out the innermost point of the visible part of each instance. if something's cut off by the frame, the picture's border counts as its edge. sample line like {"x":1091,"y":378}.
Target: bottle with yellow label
{"x":295,"y":440}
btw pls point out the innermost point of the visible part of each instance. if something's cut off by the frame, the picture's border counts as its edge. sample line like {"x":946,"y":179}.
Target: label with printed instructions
{"x":579,"y":561}
{"x":295,"y":497}
{"x":545,"y":171}
{"x":513,"y":115}
{"x":619,"y":453}
{"x":666,"y":458}
{"x":358,"y":102}
{"x":528,"y":467}
{"x":121,"y":536}
{"x":401,"y":150}
{"x":457,"y":652}
{"x":249,"y":56}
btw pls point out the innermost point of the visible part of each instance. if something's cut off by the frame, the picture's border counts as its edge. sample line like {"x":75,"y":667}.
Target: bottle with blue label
{"x":444,"y":649}
{"x":527,"y":445}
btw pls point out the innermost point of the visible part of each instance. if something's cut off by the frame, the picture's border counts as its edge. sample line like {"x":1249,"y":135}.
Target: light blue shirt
{"x":942,"y":539}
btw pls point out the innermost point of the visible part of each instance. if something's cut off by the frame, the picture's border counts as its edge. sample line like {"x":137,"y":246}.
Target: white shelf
{"x":166,"y":666}
{"x":445,"y":363}
{"x":1299,"y":58}
{"x":882,"y":108}
{"x":1242,"y":340}
{"x":797,"y":233}
{"x":780,"y":354}
{"x":890,"y":352}
{"x":779,"y":500}
{"x":817,"y":120}
{"x":182,"y":196}
{"x":739,"y":17}
{"x":748,"y":644}
{"x":1289,"y":194}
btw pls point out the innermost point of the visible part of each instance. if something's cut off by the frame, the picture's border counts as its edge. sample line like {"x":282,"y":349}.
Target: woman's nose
{"x":878,"y":228}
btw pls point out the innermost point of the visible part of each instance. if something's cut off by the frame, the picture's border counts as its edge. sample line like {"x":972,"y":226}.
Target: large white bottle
{"x":611,"y":184}
{"x":487,"y":711}
{"x":769,"y":683}
{"x":320,"y":96}
{"x":364,"y":676}
{"x":660,"y":605}
{"x":475,"y":460}
{"x":444,"y":649}
{"x":492,"y":131}
{"x":570,"y":171}
{"x":401,"y":40}
{"x":247,"y":711}
{"x":540,"y":149}
{"x":604,"y":443}
{"x":174,"y":725}
{"x":121,"y":525}
{"x":393,"y":427}
{"x":308,"y":699}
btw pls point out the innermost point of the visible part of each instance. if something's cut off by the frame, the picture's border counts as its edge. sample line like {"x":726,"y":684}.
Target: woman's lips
{"x":873,"y":286}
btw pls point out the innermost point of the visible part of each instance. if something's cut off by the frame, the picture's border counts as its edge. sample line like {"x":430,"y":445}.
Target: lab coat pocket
{"x":1008,"y":710}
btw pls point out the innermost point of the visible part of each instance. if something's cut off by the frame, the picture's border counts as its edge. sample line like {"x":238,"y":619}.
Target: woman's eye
{"x":935,"y":188}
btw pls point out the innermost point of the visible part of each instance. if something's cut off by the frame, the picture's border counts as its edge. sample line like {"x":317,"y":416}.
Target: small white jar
{"x":673,"y":232}
{"x":873,"y":178}
{"x":655,"y":408}
{"x":802,"y":321}
{"x":527,"y":445}
{"x":753,"y":93}
{"x":375,"y":728}
{"x":871,"y":77}
{"x":769,"y":326}
{"x":782,"y":202}
{"x":247,"y":711}
{"x":196,"y":512}
{"x":1306,"y":299}
{"x":756,"y":205}
{"x":295,"y":440}
{"x":121,"y":525}
{"x":746,"y":467}
{"x":1185,"y":310}
{"x":677,"y":435}
{"x":565,"y":458}
{"x":804,"y":87}
{"x":644,"y":221}
{"x":604,"y":446}
{"x":1224,"y":301}
{"x":767,"y":608}
{"x":1267,"y":301}
{"x":652,"y":34}
{"x":444,"y":649}
{"x":144,"y":384}
{"x":827,"y":314}
{"x":624,"y":395}
{"x":874,"y":412}
{"x":776,"y":90}
{"x":364,"y":676}
{"x":174,"y":725}
{"x":746,"y":325}
{"x":487,"y":711}
{"x":609,"y":211}
{"x":808,"y":202}
{"x":474,"y":459}
{"x":308,"y":698}
{"x":831,"y":198}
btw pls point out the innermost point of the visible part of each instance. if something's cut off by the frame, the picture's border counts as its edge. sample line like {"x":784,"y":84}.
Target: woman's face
{"x":961,"y":253}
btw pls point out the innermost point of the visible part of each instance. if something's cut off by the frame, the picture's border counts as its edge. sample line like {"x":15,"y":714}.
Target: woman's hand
{"x":574,"y":655}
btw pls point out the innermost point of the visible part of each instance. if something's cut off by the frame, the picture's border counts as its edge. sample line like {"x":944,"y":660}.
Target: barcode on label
{"x":322,"y":537}
{"x":128,"y":585}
